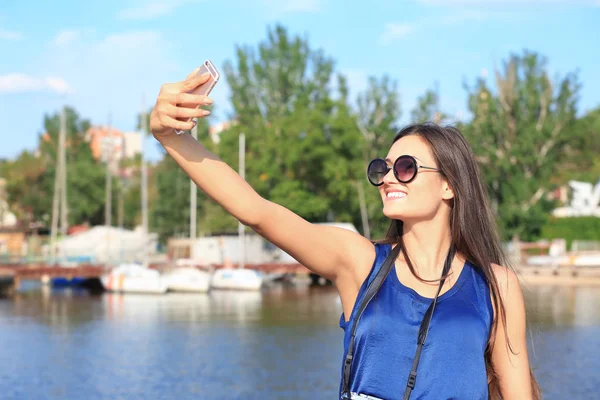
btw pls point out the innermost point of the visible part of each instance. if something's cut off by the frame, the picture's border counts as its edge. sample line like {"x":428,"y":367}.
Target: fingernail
{"x":205,"y":75}
{"x":206,"y":112}
{"x":208,"y":100}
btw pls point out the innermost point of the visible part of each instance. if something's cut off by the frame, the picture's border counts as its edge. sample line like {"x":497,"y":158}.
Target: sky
{"x":107,"y":59}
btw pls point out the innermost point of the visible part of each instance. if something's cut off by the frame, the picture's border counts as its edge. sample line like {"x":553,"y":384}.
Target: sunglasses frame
{"x":393,"y":168}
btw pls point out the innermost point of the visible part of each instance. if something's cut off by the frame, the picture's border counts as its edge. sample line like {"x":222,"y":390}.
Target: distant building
{"x":116,"y":145}
{"x":215,"y":131}
{"x":13,"y":241}
{"x":132,"y":145}
{"x":226,"y":249}
{"x":584,"y":200}
{"x":109,"y":143}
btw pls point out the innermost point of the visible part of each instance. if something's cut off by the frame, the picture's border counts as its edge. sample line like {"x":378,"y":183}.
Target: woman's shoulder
{"x":506,"y":277}
{"x":509,"y":287}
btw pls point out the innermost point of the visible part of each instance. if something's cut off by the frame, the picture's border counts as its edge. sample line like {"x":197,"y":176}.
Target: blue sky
{"x":104,"y":57}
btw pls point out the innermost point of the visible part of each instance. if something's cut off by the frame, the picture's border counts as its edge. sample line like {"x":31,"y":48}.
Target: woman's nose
{"x":390,"y":177}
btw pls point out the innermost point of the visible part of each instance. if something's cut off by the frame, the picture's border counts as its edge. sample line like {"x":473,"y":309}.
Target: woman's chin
{"x":393,"y":212}
{"x":403,"y":213}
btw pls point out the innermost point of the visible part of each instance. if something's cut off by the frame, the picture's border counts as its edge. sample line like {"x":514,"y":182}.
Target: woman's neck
{"x":427,"y":244}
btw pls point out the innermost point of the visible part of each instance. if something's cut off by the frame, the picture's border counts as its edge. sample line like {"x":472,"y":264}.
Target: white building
{"x":585,"y":201}
{"x":226,"y":249}
{"x":132,"y":144}
{"x":7,"y":218}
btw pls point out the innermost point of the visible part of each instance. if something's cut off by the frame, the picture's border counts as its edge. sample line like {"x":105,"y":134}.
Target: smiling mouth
{"x":395,"y":195}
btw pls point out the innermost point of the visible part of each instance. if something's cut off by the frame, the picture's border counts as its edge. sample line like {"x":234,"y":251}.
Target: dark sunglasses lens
{"x":376,"y":172}
{"x":405,"y":169}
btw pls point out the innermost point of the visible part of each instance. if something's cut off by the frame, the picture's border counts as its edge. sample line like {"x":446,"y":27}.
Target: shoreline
{"x":561,"y":276}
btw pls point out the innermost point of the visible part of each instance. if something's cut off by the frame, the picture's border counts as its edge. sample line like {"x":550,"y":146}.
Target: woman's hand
{"x":175,"y":108}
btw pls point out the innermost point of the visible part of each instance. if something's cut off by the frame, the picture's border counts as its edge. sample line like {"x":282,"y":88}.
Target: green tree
{"x":379,"y":111}
{"x":169,"y":195}
{"x":307,"y":148}
{"x":582,"y":161}
{"x":31,"y":176}
{"x":28,"y":189}
{"x":281,"y":99}
{"x":378,"y":114}
{"x":344,"y":165}
{"x":521,"y":133}
{"x":428,"y":108}
{"x":129,"y":186}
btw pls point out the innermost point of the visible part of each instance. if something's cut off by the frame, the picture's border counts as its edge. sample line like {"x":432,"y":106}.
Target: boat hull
{"x":188,"y":280}
{"x":237,"y":279}
{"x":134,"y":279}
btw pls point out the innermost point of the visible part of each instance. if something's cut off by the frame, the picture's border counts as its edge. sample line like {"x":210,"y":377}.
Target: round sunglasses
{"x":405,"y":169}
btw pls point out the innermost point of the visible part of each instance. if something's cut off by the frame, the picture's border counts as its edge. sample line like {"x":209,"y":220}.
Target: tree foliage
{"x":30,"y":177}
{"x":308,"y":145}
{"x":522,"y":132}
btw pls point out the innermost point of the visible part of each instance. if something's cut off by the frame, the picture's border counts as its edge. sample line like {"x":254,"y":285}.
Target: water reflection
{"x":559,"y":306}
{"x":283,"y":342}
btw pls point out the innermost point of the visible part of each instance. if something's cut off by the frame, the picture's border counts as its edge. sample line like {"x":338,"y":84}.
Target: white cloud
{"x":395,"y":31}
{"x":63,"y":38}
{"x":19,"y":82}
{"x":109,"y":74}
{"x":464,"y":16}
{"x":9,"y":35}
{"x":102,"y":74}
{"x":144,"y":10}
{"x":279,"y":7}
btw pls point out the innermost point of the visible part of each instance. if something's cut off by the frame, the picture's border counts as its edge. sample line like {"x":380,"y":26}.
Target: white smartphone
{"x":205,"y":88}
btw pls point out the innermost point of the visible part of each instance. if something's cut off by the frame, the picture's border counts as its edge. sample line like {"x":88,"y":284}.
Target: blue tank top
{"x":452,"y":364}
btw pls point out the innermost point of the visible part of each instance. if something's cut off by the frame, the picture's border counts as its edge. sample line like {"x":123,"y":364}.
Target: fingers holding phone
{"x":179,"y":103}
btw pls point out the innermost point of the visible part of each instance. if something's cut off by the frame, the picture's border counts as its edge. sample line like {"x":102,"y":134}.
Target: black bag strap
{"x":424,"y":327}
{"x":371,"y":292}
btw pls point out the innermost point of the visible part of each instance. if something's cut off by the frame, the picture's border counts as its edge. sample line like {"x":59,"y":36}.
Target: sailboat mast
{"x":57,"y":195}
{"x":193,"y":198}
{"x":64,"y":222}
{"x":242,"y":172}
{"x":144,"y":173}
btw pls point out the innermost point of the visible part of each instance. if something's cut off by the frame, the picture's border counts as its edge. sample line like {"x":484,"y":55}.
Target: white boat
{"x":237,"y":279}
{"x":586,"y":259}
{"x":547,"y":260}
{"x":133,"y":278}
{"x":187,"y":279}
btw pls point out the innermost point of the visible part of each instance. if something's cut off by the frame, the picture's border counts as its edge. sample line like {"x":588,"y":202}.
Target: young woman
{"x":442,"y":248}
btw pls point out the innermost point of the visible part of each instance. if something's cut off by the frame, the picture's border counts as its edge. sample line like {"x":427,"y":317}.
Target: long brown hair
{"x":473,"y":229}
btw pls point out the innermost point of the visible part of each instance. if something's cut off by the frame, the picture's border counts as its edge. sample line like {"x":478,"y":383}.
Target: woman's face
{"x":421,"y":198}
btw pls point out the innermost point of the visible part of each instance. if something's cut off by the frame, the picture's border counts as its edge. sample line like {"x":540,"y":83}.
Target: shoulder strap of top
{"x":381,"y":252}
{"x":378,"y":274}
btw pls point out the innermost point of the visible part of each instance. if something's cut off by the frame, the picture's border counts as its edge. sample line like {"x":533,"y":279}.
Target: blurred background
{"x":120,"y":280}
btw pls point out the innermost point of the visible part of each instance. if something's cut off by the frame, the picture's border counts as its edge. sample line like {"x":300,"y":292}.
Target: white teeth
{"x":396,"y":194}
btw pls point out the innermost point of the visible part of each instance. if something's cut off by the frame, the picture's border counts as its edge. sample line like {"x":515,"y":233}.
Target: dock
{"x":7,"y":281}
{"x":562,"y":275}
{"x":13,"y":274}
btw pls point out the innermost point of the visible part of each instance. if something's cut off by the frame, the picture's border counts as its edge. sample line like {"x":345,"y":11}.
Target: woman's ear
{"x":447,"y":192}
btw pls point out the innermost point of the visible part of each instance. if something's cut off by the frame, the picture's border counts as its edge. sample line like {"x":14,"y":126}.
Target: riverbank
{"x":564,"y":276}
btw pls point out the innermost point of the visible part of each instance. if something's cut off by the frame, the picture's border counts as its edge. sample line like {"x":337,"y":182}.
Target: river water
{"x":281,"y":343}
